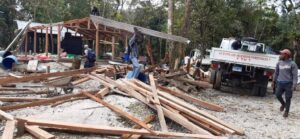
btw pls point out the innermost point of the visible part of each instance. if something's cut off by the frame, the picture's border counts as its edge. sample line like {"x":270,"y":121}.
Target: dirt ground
{"x":258,"y":116}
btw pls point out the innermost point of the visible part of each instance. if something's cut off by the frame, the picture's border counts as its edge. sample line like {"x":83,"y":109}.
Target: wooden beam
{"x":97,"y":41}
{"x":68,"y":100}
{"x":38,"y":133}
{"x":5,"y":116}
{"x":8,"y":132}
{"x":150,"y":53}
{"x":7,"y":80}
{"x":160,"y":113}
{"x":96,"y":129}
{"x":19,"y":99}
{"x":180,"y":94}
{"x":102,"y":92}
{"x":146,"y":121}
{"x":119,"y":111}
{"x":40,"y":102}
{"x":47,"y":42}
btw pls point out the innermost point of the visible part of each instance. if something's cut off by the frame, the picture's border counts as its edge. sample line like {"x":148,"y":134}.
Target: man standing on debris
{"x":134,"y":43}
{"x":286,"y":78}
{"x":90,"y":57}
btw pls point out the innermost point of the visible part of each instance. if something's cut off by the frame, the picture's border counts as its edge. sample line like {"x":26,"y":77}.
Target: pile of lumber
{"x":168,"y":103}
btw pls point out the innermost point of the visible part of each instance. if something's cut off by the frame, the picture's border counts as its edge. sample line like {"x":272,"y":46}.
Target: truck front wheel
{"x":218,"y":80}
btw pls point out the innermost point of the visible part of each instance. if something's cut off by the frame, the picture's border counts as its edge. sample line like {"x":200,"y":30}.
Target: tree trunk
{"x":170,"y":31}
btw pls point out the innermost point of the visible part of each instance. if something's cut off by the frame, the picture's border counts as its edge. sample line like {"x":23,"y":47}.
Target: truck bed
{"x":244,"y":58}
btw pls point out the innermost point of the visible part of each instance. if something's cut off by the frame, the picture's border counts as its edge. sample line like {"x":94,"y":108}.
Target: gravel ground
{"x":258,"y":116}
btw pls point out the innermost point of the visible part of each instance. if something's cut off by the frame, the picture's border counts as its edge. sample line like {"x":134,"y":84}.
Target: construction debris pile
{"x":167,"y":102}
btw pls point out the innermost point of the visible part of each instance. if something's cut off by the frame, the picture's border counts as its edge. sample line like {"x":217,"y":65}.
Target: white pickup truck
{"x":242,"y":63}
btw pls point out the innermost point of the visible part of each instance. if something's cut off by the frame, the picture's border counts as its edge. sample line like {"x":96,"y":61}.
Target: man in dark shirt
{"x":286,"y":78}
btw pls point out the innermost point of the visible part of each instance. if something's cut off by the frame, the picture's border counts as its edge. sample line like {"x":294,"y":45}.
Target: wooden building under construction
{"x":94,"y":30}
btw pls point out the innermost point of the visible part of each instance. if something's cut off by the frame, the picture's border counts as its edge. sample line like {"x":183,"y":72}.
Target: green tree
{"x":7,"y":24}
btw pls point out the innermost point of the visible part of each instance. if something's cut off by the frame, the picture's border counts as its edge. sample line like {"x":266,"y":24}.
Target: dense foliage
{"x":275,"y":22}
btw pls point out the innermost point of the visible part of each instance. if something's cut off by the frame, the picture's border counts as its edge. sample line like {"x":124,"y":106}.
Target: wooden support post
{"x":119,"y":111}
{"x":38,"y":133}
{"x":47,"y":42}
{"x":58,"y":41}
{"x":113,"y":47}
{"x":126,"y":40}
{"x":35,"y":42}
{"x":89,"y":24}
{"x":8,"y":132}
{"x":26,"y":44}
{"x":97,"y":41}
{"x":160,"y":113}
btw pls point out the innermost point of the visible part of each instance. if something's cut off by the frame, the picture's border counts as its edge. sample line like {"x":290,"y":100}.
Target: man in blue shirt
{"x":286,"y":78}
{"x":134,"y":44}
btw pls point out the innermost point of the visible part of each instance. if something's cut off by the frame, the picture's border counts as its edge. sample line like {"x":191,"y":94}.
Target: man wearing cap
{"x":286,"y":77}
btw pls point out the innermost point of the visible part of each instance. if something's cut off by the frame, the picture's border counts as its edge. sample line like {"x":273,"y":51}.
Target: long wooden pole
{"x":58,"y":41}
{"x":47,"y":41}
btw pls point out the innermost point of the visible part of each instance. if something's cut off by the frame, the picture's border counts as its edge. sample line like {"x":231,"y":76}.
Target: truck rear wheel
{"x":212,"y":77}
{"x":260,"y":88}
{"x":218,"y":80}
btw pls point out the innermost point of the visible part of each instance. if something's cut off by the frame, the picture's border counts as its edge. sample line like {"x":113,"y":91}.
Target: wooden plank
{"x":119,"y":111}
{"x":7,"y":80}
{"x":8,"y":132}
{"x":20,"y":99}
{"x":38,"y":133}
{"x":79,"y":81}
{"x":160,"y":113}
{"x":24,"y":92}
{"x":13,"y":89}
{"x":102,"y":92}
{"x":129,"y":28}
{"x":138,"y":136}
{"x":184,"y":96}
{"x":41,"y":102}
{"x":6,"y":116}
{"x":68,"y":100}
{"x":146,"y":121}
{"x":96,"y":129}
